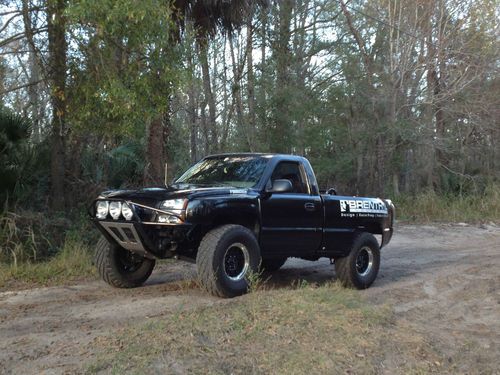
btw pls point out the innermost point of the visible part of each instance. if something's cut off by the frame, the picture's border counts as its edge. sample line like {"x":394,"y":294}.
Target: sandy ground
{"x":442,"y":281}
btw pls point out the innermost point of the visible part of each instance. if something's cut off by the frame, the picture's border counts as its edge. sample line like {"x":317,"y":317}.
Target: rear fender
{"x":388,"y":224}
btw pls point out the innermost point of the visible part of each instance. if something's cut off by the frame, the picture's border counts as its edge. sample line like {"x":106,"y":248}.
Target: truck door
{"x":291,"y":222}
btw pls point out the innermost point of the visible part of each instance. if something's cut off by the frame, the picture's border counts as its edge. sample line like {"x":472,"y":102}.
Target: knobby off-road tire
{"x":272,"y":264}
{"x":226,"y":257}
{"x":120,"y":268}
{"x":360,"y":268}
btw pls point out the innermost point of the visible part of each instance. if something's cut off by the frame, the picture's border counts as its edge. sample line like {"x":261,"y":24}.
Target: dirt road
{"x":442,"y":281}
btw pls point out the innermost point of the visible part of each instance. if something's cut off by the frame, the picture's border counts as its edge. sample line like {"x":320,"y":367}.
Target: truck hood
{"x":161,"y":193}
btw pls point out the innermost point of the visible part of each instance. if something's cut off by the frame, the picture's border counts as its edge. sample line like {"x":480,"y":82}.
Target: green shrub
{"x":431,"y":207}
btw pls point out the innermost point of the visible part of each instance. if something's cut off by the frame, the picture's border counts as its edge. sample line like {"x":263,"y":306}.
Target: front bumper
{"x":125,"y":235}
{"x":147,"y":238}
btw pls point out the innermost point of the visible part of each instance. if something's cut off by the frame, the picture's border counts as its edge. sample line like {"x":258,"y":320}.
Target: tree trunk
{"x":236,"y":92}
{"x":36,"y":68}
{"x":204,"y":127}
{"x":360,"y":178}
{"x":192,"y":109}
{"x":34,"y":96}
{"x":56,"y":26}
{"x":380,"y":157}
{"x":192,"y":126}
{"x":439,"y":87}
{"x":281,"y":138}
{"x":155,"y":151}
{"x":250,"y":85}
{"x":263,"y":40}
{"x":209,"y":97}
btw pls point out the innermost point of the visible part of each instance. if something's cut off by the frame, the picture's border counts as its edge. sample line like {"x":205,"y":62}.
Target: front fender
{"x":210,"y":212}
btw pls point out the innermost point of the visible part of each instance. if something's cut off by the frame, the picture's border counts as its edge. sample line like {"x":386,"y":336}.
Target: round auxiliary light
{"x":115,"y":209}
{"x":127,"y":211}
{"x":102,"y":208}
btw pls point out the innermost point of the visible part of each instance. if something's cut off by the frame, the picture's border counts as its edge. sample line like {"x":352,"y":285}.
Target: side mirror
{"x":281,"y":186}
{"x":331,"y":191}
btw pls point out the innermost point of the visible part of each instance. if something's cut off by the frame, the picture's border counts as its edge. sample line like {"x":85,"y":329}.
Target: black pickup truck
{"x":236,"y":214}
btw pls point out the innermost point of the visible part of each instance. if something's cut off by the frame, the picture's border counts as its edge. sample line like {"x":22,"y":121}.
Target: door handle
{"x":310,"y":206}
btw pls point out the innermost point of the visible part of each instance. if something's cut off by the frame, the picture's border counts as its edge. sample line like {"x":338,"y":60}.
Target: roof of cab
{"x":272,"y":155}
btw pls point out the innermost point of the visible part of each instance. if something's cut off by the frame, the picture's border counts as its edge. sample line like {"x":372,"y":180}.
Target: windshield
{"x":237,"y":171}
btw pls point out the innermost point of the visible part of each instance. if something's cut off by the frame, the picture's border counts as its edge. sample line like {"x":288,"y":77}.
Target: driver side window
{"x":293,"y":172}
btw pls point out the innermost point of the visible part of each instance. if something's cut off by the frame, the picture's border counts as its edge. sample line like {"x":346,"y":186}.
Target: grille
{"x":145,"y":214}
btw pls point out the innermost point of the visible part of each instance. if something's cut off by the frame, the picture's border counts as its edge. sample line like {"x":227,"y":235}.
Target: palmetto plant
{"x":14,"y":151}
{"x":119,"y":167}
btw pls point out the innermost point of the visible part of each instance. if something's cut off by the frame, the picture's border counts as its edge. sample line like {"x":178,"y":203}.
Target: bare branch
{"x":20,"y":87}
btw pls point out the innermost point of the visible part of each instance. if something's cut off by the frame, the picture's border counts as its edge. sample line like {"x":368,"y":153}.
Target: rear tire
{"x":272,"y":264}
{"x":360,"y":268}
{"x":119,"y":267}
{"x":226,"y":257}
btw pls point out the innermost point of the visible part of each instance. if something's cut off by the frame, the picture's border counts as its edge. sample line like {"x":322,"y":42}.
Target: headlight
{"x":173,"y":205}
{"x":102,"y":208}
{"x":169,"y":219}
{"x":127,"y":211}
{"x":115,"y":209}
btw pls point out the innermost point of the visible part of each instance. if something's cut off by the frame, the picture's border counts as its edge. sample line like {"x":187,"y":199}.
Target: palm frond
{"x":14,"y":127}
{"x":209,"y":16}
{"x":14,"y":147}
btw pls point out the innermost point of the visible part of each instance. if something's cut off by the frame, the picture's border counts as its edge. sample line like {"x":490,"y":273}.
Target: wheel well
{"x":373,"y":228}
{"x":251,"y":223}
{"x":248,"y":222}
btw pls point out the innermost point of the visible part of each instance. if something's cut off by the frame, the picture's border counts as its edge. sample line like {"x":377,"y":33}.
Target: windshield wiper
{"x":221,"y":183}
{"x":212,"y":184}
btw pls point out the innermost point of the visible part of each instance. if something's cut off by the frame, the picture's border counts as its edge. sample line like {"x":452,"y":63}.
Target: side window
{"x":293,"y":172}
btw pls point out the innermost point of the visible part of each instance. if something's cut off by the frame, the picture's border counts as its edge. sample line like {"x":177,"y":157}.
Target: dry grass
{"x":430,"y":207}
{"x":309,"y":329}
{"x":36,"y":249}
{"x":73,"y":262}
{"x":30,"y":236}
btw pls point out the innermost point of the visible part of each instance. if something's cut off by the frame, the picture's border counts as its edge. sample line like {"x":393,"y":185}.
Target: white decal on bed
{"x":372,"y":206}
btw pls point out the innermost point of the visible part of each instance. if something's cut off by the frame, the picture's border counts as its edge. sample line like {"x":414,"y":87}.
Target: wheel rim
{"x":129,"y":262}
{"x":364,"y":261}
{"x":236,"y":261}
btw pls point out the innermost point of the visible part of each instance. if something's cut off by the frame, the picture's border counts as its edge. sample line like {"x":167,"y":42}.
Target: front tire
{"x":360,"y":268}
{"x":121,"y":268}
{"x":227,"y":255}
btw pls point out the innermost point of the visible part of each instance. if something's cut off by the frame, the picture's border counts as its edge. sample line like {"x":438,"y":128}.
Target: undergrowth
{"x":41,"y":250}
{"x":431,"y":207}
{"x":72,"y":262}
